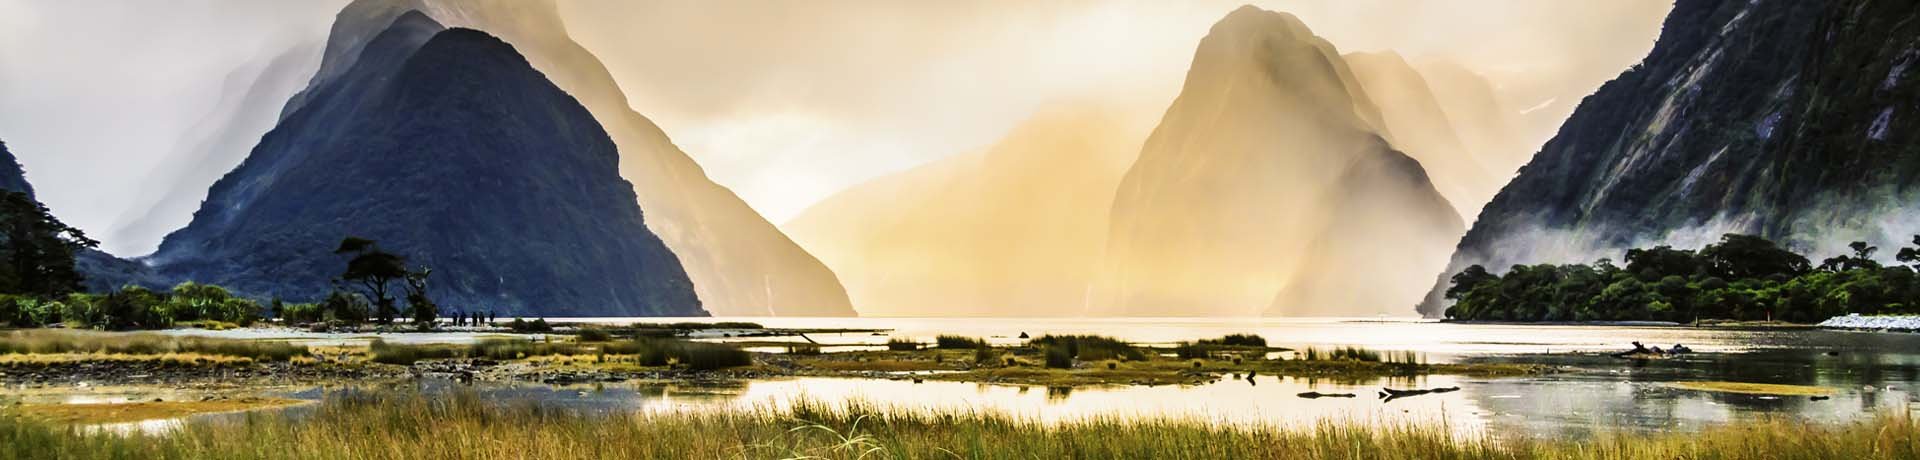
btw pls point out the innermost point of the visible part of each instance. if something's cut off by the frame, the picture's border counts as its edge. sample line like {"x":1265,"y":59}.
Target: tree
{"x":38,"y":249}
{"x":1661,"y":261}
{"x":375,"y":270}
{"x":1910,"y":255}
{"x":1472,"y":277}
{"x":1739,"y":256}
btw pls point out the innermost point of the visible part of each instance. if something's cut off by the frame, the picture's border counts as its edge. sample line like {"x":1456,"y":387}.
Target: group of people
{"x":472,"y":319}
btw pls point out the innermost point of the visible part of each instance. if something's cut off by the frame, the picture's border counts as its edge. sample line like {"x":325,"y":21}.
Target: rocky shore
{"x":1856,"y":322}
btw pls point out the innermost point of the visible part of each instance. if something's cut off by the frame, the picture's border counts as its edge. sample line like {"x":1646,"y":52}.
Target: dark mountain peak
{"x":446,"y":146}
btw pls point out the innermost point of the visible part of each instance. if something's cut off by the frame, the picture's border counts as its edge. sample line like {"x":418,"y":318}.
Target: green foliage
{"x":36,"y":250}
{"x":1742,"y":277}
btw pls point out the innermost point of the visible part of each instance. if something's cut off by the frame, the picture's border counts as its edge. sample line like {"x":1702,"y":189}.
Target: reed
{"x":463,"y":426}
{"x":56,"y":341}
{"x":955,"y":342}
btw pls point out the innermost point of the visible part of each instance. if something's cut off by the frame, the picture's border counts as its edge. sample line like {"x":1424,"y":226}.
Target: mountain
{"x":12,"y":177}
{"x":250,"y":105}
{"x":1242,"y":200}
{"x":740,"y":264}
{"x":1790,"y":120}
{"x":1016,"y":229}
{"x":448,"y":147}
{"x":1486,"y":125}
{"x":1419,"y":127}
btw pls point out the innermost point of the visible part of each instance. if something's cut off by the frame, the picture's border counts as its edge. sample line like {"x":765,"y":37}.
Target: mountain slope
{"x":250,"y":105}
{"x":740,"y":263}
{"x":1423,"y":130}
{"x":1257,"y":162}
{"x":1014,"y":230}
{"x":446,"y":146}
{"x":1791,"y":120}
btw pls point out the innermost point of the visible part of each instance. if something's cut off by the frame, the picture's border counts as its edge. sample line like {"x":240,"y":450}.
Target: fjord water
{"x":1869,"y":373}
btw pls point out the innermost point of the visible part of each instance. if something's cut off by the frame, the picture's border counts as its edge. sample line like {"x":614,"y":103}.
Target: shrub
{"x":902,"y":345}
{"x":1059,"y":357}
{"x":1237,"y":340}
{"x":957,"y":342}
{"x":986,"y":356}
{"x":524,"y":326}
{"x":1091,"y":347}
{"x":594,"y":334}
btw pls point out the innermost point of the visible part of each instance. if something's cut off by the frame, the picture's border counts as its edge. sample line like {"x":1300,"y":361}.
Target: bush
{"x":524,"y":326}
{"x":986,"y":356}
{"x":1237,"y":340}
{"x":902,"y":345}
{"x":1059,"y":357}
{"x":1091,"y":347}
{"x":594,"y":334}
{"x":955,"y":342}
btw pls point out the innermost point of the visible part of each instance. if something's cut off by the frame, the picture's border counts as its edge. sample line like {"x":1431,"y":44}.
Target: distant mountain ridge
{"x":446,"y":146}
{"x":1790,"y":120}
{"x":1273,"y":155}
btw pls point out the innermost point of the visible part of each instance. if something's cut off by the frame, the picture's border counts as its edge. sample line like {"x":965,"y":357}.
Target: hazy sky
{"x":783,"y":101}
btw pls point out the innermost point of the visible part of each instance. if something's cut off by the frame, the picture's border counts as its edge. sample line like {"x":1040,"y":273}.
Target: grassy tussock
{"x":397,"y":426}
{"x":55,"y":341}
{"x":1090,"y":347}
{"x":902,"y":345}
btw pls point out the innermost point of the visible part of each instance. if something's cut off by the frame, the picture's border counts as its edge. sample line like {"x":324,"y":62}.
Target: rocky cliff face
{"x":740,"y":263}
{"x":447,"y":146}
{"x":1792,"y":120}
{"x":1017,"y":229}
{"x":1244,"y":199}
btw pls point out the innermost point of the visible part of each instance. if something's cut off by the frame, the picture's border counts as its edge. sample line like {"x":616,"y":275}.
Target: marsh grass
{"x":955,"y":342}
{"x":56,"y":341}
{"x":647,"y":352}
{"x":896,"y":344}
{"x":463,"y":425}
{"x":1090,"y":347}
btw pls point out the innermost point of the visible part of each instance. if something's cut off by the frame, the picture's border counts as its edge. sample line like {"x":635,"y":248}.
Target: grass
{"x":1237,"y":340}
{"x":145,"y":410}
{"x":1754,"y":388}
{"x":56,"y":341}
{"x":594,"y":334}
{"x":955,"y":342}
{"x":394,"y":426}
{"x":649,"y":351}
{"x":1090,"y":347}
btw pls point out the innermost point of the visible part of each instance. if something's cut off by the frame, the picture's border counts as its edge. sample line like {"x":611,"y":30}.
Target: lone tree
{"x":38,"y":249}
{"x":374,"y":270}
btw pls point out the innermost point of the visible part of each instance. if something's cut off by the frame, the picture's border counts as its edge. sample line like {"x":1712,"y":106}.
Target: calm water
{"x":1870,"y":373}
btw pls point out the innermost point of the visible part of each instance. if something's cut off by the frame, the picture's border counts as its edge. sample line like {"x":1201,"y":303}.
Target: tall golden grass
{"x":462,"y":426}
